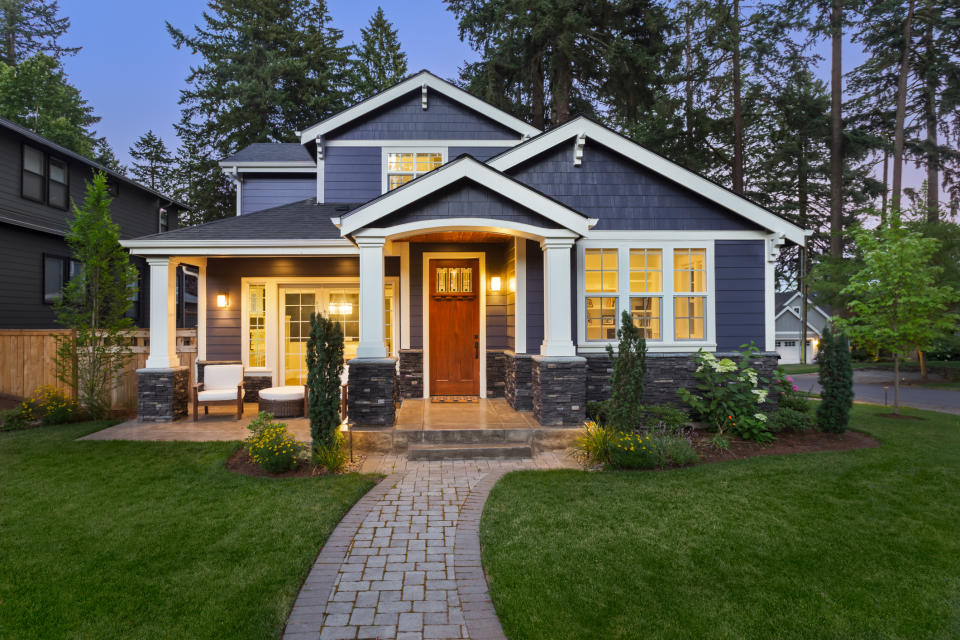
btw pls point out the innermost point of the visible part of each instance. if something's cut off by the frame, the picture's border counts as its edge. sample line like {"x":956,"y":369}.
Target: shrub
{"x":332,"y":457}
{"x":945,"y":348}
{"x":836,"y":382}
{"x":728,"y":394}
{"x":633,"y":451}
{"x":675,"y":449}
{"x":597,"y":411}
{"x":19,"y":417}
{"x":624,"y":410}
{"x":52,"y":406}
{"x":324,"y":368}
{"x":787,"y":419}
{"x":665,"y":417}
{"x":263,"y":420}
{"x":787,"y":394}
{"x":616,"y":449}
{"x":274,"y":448}
{"x":593,"y":445}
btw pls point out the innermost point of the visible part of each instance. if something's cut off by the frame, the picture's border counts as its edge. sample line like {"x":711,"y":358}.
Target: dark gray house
{"x":466,"y":253}
{"x":39,"y":181}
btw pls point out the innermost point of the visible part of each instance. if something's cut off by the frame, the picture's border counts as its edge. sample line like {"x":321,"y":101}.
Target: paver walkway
{"x":405,"y":561}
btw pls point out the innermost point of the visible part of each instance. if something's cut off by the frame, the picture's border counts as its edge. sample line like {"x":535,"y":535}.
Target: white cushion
{"x":214,"y":395}
{"x":291,"y":392}
{"x":222,"y":376}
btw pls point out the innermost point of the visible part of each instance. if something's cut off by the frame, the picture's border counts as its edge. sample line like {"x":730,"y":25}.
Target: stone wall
{"x":253,"y":382}
{"x":559,"y":390}
{"x":496,"y":373}
{"x":410,"y":377}
{"x":372,"y":392}
{"x":162,"y":394}
{"x":518,"y":380}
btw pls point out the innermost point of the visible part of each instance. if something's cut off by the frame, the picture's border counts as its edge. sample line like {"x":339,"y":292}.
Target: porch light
{"x":513,"y":284}
{"x":495,"y":283}
{"x":341,"y":308}
{"x":223,"y":300}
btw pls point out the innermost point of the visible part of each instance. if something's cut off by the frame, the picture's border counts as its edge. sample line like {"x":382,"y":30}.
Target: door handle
{"x":476,"y":347}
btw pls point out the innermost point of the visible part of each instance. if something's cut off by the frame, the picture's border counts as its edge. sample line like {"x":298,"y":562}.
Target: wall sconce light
{"x":513,"y":284}
{"x":495,"y":283}
{"x":223,"y":300}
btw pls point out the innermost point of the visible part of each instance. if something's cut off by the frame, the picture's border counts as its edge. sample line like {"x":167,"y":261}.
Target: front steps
{"x":419,"y":452}
{"x":463,"y":444}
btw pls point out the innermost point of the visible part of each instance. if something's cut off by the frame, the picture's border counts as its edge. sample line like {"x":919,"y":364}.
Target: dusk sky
{"x":131,"y":74}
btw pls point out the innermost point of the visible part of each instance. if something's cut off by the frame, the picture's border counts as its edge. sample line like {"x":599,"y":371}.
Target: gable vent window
{"x":33,"y":174}
{"x":402,"y":167}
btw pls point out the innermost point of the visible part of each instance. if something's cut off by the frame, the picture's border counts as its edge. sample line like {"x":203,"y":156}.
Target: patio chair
{"x":222,"y":384}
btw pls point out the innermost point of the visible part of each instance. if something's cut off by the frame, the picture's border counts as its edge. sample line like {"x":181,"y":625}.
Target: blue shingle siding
{"x":739,"y":268}
{"x":466,"y":200}
{"x":480,"y":153}
{"x":352,"y":174}
{"x":621,"y":193}
{"x":534,"y":297}
{"x":264,"y":193}
{"x":405,"y":119}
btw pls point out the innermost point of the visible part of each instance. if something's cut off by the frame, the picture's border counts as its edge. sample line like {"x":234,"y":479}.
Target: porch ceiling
{"x":459,"y":236}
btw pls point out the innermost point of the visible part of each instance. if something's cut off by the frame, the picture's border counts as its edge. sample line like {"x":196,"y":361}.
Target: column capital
{"x":557,"y":243}
{"x":159,"y":261}
{"x":370,"y":241}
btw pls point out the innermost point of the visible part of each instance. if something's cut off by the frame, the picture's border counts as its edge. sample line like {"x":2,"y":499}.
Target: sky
{"x":131,"y":74}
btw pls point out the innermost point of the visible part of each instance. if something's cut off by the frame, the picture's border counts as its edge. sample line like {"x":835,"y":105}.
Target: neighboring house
{"x":39,"y":183}
{"x":789,"y":324}
{"x":466,"y":253}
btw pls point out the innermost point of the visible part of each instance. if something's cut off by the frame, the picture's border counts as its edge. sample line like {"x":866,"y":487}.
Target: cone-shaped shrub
{"x":324,"y":367}
{"x":624,"y":410}
{"x":836,"y":382}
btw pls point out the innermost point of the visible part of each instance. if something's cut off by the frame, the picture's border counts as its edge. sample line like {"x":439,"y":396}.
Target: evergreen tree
{"x":152,"y":163}
{"x":28,"y":27}
{"x":104,"y":156}
{"x":267,"y":70}
{"x":379,"y":62}
{"x":95,"y":302}
{"x":835,"y":375}
{"x":324,"y":368}
{"x":624,"y":410}
{"x":197,"y":180}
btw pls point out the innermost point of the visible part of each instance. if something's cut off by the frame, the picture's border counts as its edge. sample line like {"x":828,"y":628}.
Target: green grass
{"x":152,"y":540}
{"x":855,"y":544}
{"x":799,"y":368}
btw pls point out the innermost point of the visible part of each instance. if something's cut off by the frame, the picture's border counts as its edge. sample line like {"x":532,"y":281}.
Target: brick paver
{"x":405,"y":561}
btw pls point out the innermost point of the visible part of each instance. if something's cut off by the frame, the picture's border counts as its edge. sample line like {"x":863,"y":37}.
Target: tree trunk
{"x":536,"y":91}
{"x":930,"y":106}
{"x":899,"y":133}
{"x":688,"y":71}
{"x":804,"y":292}
{"x":896,"y":383}
{"x":886,"y":186}
{"x":836,"y":130}
{"x":923,"y":364}
{"x":560,"y":89}
{"x":737,"y":103}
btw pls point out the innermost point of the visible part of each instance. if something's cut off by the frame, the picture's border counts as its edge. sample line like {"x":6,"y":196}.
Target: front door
{"x":454,"y":327}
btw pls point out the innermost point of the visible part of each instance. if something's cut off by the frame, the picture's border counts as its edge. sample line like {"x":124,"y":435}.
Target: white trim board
{"x":218,"y":248}
{"x":598,"y":134}
{"x":414,"y":83}
{"x":425,"y":312}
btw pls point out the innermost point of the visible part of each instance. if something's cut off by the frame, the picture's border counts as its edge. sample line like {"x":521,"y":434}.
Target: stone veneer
{"x":372,"y":392}
{"x":496,"y":373}
{"x":666,"y":372}
{"x":162,"y":394}
{"x":410,"y":376}
{"x":253,"y":382}
{"x":559,"y":390}
{"x":518,"y":380}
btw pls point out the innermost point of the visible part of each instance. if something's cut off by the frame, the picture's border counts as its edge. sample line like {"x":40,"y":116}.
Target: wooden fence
{"x":27,"y":362}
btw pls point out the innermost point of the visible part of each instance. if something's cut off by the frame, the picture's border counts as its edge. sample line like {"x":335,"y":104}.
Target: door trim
{"x":425,"y":269}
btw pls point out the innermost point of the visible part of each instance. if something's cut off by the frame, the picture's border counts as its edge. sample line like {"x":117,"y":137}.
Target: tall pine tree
{"x":379,"y":62}
{"x":152,"y":163}
{"x":28,"y":27}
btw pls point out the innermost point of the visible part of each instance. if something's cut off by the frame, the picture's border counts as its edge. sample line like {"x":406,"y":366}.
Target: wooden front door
{"x":454,"y":327}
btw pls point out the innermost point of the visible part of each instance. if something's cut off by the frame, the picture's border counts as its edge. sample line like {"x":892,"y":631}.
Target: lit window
{"x":601,"y":275}
{"x":689,"y":318}
{"x":257,"y":347}
{"x":388,"y":318}
{"x":646,"y":316}
{"x":405,"y":166}
{"x":646,"y":271}
{"x":690,"y":270}
{"x":344,"y":308}
{"x":601,"y":318}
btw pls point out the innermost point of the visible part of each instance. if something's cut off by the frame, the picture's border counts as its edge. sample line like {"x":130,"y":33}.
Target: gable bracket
{"x":319,"y":148}
{"x":578,"y":149}
{"x":774,"y":242}
{"x":423,"y":96}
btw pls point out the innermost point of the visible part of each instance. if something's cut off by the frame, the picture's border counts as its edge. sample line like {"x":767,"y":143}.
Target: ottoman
{"x":284,"y":402}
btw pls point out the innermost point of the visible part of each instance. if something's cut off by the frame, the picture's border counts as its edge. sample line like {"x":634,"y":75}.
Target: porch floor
{"x":419,"y":414}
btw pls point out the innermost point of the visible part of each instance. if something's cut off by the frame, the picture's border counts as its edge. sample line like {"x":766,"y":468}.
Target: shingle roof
{"x":271,"y":152}
{"x":303,"y":220}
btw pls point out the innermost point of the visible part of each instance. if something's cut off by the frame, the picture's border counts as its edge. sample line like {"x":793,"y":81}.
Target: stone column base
{"x":410,"y":379}
{"x":559,"y":390}
{"x":372,"y":392}
{"x":496,"y":373}
{"x":253,"y":381}
{"x":162,"y":394}
{"x":518,"y":380}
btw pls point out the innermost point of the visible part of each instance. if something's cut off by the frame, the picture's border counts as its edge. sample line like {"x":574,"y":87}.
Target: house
{"x":39,"y":182}
{"x":466,"y":253}
{"x":788,"y":323}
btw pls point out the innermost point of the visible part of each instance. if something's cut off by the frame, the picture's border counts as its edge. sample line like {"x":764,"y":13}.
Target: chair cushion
{"x":215,"y":395}
{"x":291,"y":392}
{"x":222,"y":376}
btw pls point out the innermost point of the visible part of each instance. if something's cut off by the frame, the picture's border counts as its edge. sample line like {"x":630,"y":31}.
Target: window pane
{"x":601,"y":318}
{"x":645,"y":274}
{"x":600,"y":270}
{"x":33,"y":160}
{"x":428,"y":161}
{"x":396,"y":181}
{"x":592,"y":259}
{"x":646,"y":316}
{"x":52,"y":278}
{"x":689,"y":319}
{"x":610,"y":281}
{"x":258,"y":338}
{"x":33,"y":186}
{"x":400,"y":162}
{"x":57,"y":195}
{"x":58,"y":171}
{"x":689,"y":270}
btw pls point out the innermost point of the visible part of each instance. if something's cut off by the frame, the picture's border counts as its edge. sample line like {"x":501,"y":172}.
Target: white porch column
{"x":163,"y":308}
{"x":556,"y":298}
{"x":201,"y":264}
{"x":371,"y":298}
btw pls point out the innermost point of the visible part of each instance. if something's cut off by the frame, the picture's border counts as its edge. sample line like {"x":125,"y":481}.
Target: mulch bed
{"x":241,"y":463}
{"x":786,"y":443}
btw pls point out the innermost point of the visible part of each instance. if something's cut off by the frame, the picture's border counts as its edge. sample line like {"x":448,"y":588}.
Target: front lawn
{"x":854,"y":544}
{"x":152,"y":539}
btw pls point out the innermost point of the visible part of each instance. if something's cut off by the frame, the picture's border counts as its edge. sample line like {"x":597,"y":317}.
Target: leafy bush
{"x":836,"y":382}
{"x":597,"y":411}
{"x":52,"y":406}
{"x":675,"y":449}
{"x":625,"y":407}
{"x":728,"y":394}
{"x":945,"y":348}
{"x":787,"y":394}
{"x":593,"y":445}
{"x":274,"y":448}
{"x":19,"y":417}
{"x":787,"y":419}
{"x":332,"y":457}
{"x":665,"y":417}
{"x":263,"y":420}
{"x":632,"y":449}
{"x":324,"y":368}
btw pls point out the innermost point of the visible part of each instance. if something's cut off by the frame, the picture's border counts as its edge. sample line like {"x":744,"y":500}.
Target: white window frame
{"x":386,"y":151}
{"x":667,"y":341}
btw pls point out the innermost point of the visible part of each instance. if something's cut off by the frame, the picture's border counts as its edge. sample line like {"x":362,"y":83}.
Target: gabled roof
{"x":413,"y":83}
{"x":596,"y":133}
{"x":783,"y":300}
{"x":63,"y":151}
{"x":272,"y":152}
{"x":465,"y":167}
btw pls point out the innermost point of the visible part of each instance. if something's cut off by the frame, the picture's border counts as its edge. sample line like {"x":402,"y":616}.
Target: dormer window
{"x":402,"y":166}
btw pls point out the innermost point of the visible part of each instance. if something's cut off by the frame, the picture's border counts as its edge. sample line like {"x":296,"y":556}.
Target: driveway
{"x":868,"y":386}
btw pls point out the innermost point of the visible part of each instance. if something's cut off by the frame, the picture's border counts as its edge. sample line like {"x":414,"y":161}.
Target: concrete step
{"x":467,"y":451}
{"x":466,"y":436}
